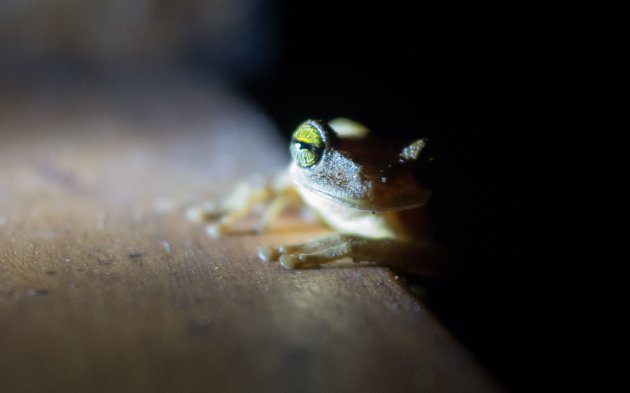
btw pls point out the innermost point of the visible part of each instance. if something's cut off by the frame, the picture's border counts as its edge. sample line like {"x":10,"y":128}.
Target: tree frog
{"x":369,"y":191}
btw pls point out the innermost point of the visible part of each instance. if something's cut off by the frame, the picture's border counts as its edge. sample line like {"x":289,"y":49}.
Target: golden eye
{"x":307,"y":145}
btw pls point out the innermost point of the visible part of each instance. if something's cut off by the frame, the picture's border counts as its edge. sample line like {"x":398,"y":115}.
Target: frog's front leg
{"x":412,"y":256}
{"x":274,"y":194}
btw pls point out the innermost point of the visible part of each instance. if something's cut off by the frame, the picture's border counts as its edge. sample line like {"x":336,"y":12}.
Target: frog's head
{"x":341,"y":162}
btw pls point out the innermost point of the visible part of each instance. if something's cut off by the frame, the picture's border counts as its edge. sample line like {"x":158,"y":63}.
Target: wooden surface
{"x":105,"y":287}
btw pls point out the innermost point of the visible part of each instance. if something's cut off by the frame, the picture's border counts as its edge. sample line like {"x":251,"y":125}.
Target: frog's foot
{"x":424,"y":258}
{"x":205,"y":211}
{"x":315,"y":252}
{"x":230,"y":217}
{"x":271,"y":195}
{"x":227,"y":212}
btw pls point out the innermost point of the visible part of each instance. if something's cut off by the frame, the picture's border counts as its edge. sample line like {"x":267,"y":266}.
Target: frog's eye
{"x":307,"y":145}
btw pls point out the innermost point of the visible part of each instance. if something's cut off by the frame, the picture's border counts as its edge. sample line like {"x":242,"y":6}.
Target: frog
{"x":372,"y":193}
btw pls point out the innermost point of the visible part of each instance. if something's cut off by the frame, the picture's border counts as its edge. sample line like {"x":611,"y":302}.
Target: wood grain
{"x":105,"y":287}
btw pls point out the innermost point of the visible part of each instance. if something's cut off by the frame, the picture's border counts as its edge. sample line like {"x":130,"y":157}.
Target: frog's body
{"x":365,"y":189}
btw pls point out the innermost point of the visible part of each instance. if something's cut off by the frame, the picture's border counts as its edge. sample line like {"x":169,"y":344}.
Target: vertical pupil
{"x":301,"y":145}
{"x":306,"y":154}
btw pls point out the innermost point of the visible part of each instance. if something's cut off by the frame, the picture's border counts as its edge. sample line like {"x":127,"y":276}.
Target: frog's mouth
{"x":341,"y":199}
{"x":338,"y":198}
{"x":364,"y":201}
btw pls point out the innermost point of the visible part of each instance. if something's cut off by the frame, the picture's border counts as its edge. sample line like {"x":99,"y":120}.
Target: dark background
{"x":486,"y":83}
{"x":489,"y":83}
